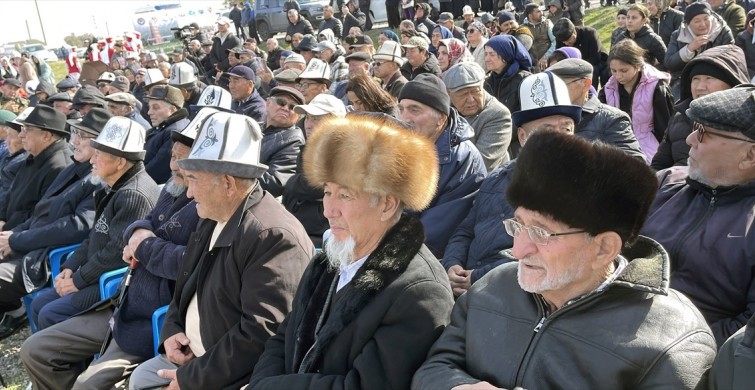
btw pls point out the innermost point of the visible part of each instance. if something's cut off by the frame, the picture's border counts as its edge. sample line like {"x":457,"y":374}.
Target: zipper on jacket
{"x":674,"y":253}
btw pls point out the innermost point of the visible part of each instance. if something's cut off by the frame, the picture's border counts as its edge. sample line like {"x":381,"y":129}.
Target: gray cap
{"x":445,"y":17}
{"x":288,"y":76}
{"x":729,"y":110}
{"x":122,"y":98}
{"x":572,"y":68}
{"x":463,"y":75}
{"x":60,"y":97}
{"x":120,"y":83}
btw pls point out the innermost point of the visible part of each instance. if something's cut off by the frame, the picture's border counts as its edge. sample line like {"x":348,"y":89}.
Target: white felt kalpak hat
{"x":214,"y":96}
{"x":189,"y":133}
{"x":544,"y":94}
{"x":181,"y":75}
{"x":121,"y":137}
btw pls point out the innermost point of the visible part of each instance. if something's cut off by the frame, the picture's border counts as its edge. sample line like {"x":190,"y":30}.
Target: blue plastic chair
{"x":158,"y":317}
{"x":55,"y":256}
{"x":109,"y":282}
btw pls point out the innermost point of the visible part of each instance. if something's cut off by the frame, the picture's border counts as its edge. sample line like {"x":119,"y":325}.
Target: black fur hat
{"x":590,"y":186}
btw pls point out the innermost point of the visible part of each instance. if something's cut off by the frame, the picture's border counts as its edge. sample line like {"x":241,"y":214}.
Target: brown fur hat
{"x":373,"y":155}
{"x":589,"y":186}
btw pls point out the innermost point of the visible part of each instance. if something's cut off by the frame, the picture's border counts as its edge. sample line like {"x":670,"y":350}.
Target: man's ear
{"x":607,"y":247}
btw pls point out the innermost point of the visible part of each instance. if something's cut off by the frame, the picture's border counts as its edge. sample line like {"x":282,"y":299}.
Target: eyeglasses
{"x":283,"y":103}
{"x":304,"y":85}
{"x":101,"y":85}
{"x":471,"y":30}
{"x":537,"y":234}
{"x":701,"y":131}
{"x":376,"y":63}
{"x":81,"y":134}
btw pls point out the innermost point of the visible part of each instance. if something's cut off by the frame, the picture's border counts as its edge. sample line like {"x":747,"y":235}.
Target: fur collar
{"x":382,"y":267}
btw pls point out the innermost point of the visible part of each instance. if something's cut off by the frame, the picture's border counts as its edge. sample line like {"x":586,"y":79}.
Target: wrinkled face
{"x":104,"y":166}
{"x":326,"y":55}
{"x":715,"y":159}
{"x":702,"y":85}
{"x":443,"y":59}
{"x":576,"y":87}
{"x":271,"y":44}
{"x":624,"y":73}
{"x":13,"y":140}
{"x":281,"y":115}
{"x":179,"y":151}
{"x":621,"y":21}
{"x":422,"y":118}
{"x":384,"y":69}
{"x":635,"y":21}
{"x":468,"y":101}
{"x":473,"y":36}
{"x":82,"y":150}
{"x":240,"y":87}
{"x":552,"y":268}
{"x":159,"y":111}
{"x":62,"y":106}
{"x":292,"y":17}
{"x":34,"y":139}
{"x":415,"y":56}
{"x":493,"y":61}
{"x":700,"y":24}
{"x":311,"y":88}
{"x":350,"y":215}
{"x":118,"y":109}
{"x":208,"y":192}
{"x":357,"y":67}
{"x":560,"y":123}
{"x":311,"y":122}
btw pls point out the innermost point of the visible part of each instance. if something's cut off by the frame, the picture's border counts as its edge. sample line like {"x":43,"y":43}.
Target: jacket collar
{"x":173,"y":118}
{"x":133,"y":171}
{"x":225,"y":239}
{"x":49,"y":151}
{"x":724,"y":195}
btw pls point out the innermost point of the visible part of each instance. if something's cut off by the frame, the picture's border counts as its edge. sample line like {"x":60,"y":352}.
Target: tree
{"x":78,"y":40}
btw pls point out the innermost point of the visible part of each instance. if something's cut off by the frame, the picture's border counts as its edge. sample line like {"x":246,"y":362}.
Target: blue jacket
{"x":252,"y":106}
{"x":708,"y":235}
{"x":172,"y":221}
{"x":158,"y":145}
{"x":461,"y":172}
{"x":479,"y":241}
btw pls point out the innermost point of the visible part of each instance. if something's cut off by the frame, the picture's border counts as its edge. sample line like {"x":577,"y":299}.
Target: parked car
{"x":40,"y":51}
{"x":271,"y":19}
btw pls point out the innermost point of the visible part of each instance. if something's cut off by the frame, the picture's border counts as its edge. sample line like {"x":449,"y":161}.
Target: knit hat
{"x":120,"y":83}
{"x":694,"y":9}
{"x":168,"y":94}
{"x":121,"y":137}
{"x":373,"y":155}
{"x":427,"y":89}
{"x":505,"y":16}
{"x":541,"y":95}
{"x":6,"y":116}
{"x":93,"y":122}
{"x":215,"y":97}
{"x":47,"y":118}
{"x":574,"y":181}
{"x":227,"y":144}
{"x":390,"y":51}
{"x":729,"y":110}
{"x":463,"y":75}
{"x":189,"y":133}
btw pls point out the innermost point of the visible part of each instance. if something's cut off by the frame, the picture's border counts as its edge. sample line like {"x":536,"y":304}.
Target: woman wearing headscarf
{"x":439,"y":32}
{"x":717,"y":69}
{"x":477,"y":36}
{"x":451,"y":52}
{"x":43,"y":70}
{"x":507,"y":62}
{"x":664,"y":20}
{"x":7,"y":70}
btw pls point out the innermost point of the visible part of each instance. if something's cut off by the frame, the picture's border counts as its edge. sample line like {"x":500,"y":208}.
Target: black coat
{"x":673,"y":149}
{"x":356,"y":18}
{"x":655,"y":49}
{"x":589,"y":45}
{"x":158,"y":145}
{"x":218,"y":57}
{"x":668,"y":22}
{"x":245,"y":286}
{"x":32,"y":181}
{"x":279,"y":151}
{"x":376,"y":330}
{"x":303,"y":27}
{"x":601,"y":122}
{"x":305,"y":203}
{"x":429,"y":66}
{"x":274,"y":58}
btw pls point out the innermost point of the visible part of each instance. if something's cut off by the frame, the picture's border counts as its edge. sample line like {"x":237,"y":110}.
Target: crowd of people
{"x":344,"y":213}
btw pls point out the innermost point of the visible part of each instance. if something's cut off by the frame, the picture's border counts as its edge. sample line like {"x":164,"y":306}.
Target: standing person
{"x":641,"y":91}
{"x":297,"y":25}
{"x":375,"y":287}
{"x":664,"y":20}
{"x":222,"y":41}
{"x":239,"y":273}
{"x":246,"y":12}
{"x":587,"y":41}
{"x":235,"y":16}
{"x":291,"y":4}
{"x":543,"y":41}
{"x":576,"y":11}
{"x":330,"y":22}
{"x":639,"y":31}
{"x":392,"y":10}
{"x":72,"y":63}
{"x":352,"y":17}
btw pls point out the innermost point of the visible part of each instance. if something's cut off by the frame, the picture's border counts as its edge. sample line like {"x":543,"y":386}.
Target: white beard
{"x":175,"y":190}
{"x":339,"y":253}
{"x":96,"y":180}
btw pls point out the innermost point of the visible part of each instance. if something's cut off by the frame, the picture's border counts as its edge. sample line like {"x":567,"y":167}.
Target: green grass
{"x":602,"y":19}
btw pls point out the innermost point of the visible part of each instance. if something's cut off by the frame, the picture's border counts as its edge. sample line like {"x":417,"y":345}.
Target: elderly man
{"x":301,"y":199}
{"x":246,"y":100}
{"x":16,"y":158}
{"x":424,"y":104}
{"x":183,"y":77}
{"x":282,"y":139}
{"x":702,"y":211}
{"x":315,"y":80}
{"x":600,"y":122}
{"x":239,"y":274}
{"x":376,"y":287}
{"x":386,"y":66}
{"x":297,"y":25}
{"x":273,"y":53}
{"x":166,"y":114}
{"x":63,"y":216}
{"x":306,"y":46}
{"x":446,"y":19}
{"x":86,"y":98}
{"x":10,"y":100}
{"x":477,"y":245}
{"x":129,"y":195}
{"x":489,"y":118}
{"x":157,"y":244}
{"x":588,"y":297}
{"x":333,"y":56}
{"x":43,"y":135}
{"x":124,"y":104}
{"x":418,"y":59}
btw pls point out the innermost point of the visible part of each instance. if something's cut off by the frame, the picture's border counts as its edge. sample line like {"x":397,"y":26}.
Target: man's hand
{"x":64,"y":283}
{"x":169,"y":374}
{"x":265,"y":74}
{"x":4,"y":244}
{"x":477,"y":386}
{"x":177,"y":349}
{"x":543,"y":63}
{"x":136,"y":239}
{"x":345,"y":10}
{"x":460,"y":279}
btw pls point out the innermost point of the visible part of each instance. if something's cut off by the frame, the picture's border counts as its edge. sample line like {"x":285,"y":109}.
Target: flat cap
{"x":572,"y":68}
{"x":728,"y":110}
{"x":122,"y":98}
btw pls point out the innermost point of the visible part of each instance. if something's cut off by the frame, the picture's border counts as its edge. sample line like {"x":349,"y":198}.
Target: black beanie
{"x":578,"y":185}
{"x":428,"y":89}
{"x":694,"y":9}
{"x":710,"y":69}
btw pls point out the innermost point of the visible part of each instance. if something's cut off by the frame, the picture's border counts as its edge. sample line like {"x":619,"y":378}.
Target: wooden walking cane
{"x":118,"y":303}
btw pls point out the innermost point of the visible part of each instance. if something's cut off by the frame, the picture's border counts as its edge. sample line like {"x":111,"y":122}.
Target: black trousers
{"x":393,"y":15}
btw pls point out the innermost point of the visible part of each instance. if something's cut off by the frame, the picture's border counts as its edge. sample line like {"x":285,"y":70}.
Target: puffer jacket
{"x":429,"y":66}
{"x":601,"y":122}
{"x":655,"y":49}
{"x":279,"y":151}
{"x":461,"y":172}
{"x":665,"y":24}
{"x":673,"y":149}
{"x":677,"y":55}
{"x":707,"y":234}
{"x":636,"y":333}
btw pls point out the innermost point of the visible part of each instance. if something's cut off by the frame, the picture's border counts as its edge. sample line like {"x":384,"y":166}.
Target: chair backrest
{"x":56,"y":256}
{"x":109,"y":282}
{"x":158,"y":317}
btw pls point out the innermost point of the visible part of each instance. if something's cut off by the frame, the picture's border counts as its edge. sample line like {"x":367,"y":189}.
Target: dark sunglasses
{"x":283,"y":103}
{"x":471,"y":30}
{"x":701,"y":131}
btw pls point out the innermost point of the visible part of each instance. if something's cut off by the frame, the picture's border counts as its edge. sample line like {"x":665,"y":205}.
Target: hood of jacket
{"x":716,"y":26}
{"x":728,"y":58}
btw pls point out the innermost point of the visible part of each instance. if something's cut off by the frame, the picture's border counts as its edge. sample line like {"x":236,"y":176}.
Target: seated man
{"x":239,"y":273}
{"x":44,"y":136}
{"x":489,"y":118}
{"x":600,"y":122}
{"x":478,"y":242}
{"x":64,"y":216}
{"x":246,"y":99}
{"x":157,"y":244}
{"x":166,"y":114}
{"x":282,"y":139}
{"x":371,"y":304}
{"x":129,"y":195}
{"x":702,"y":212}
{"x":425,"y":106}
{"x":124,"y":104}
{"x":587,"y":305}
